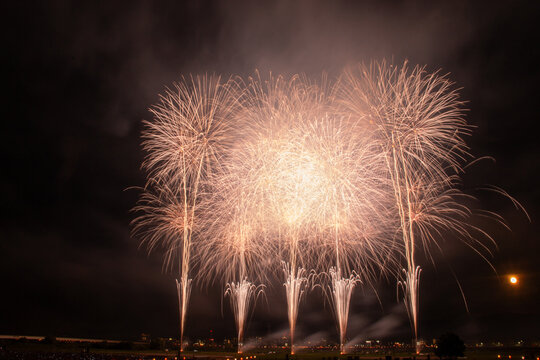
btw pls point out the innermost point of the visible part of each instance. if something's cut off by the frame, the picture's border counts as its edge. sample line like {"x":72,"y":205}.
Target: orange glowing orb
{"x":513,"y":280}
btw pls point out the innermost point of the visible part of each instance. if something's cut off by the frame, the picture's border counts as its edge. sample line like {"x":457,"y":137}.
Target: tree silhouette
{"x":449,"y":346}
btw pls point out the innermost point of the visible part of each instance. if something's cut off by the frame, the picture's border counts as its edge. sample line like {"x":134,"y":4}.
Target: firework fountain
{"x":416,"y":120}
{"x":239,"y":253}
{"x":242,"y":294}
{"x":234,"y":246}
{"x":184,"y":145}
{"x":342,"y":289}
{"x":348,"y":206}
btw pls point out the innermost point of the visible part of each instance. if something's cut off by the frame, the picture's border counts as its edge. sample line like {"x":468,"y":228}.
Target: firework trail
{"x":295,"y":286}
{"x":416,"y":120}
{"x":184,"y":144}
{"x":342,"y":289}
{"x":242,"y":294}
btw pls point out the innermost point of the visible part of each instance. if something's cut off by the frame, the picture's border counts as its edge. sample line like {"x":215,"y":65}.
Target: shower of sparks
{"x":184,"y":144}
{"x":242,"y":294}
{"x":295,"y":286}
{"x":343,"y":179}
{"x":341,"y":293}
{"x":416,"y":120}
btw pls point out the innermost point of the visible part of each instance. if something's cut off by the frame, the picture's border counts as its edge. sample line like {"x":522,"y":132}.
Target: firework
{"x":184,"y":145}
{"x":284,"y":174}
{"x":342,"y":289}
{"x":415,"y":119}
{"x":250,"y":177}
{"x":242,"y":294}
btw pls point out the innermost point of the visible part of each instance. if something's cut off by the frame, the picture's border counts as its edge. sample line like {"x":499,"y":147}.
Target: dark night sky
{"x":80,"y":77}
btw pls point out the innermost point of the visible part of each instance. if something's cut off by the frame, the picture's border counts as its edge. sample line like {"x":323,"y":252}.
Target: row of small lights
{"x":522,"y":358}
{"x":254,"y":357}
{"x":242,"y":358}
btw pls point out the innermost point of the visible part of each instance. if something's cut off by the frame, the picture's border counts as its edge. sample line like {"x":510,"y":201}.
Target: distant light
{"x":498,"y":356}
{"x":513,"y":280}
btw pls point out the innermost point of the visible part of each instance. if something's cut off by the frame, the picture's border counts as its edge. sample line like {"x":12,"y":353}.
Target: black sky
{"x":79,"y":78}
